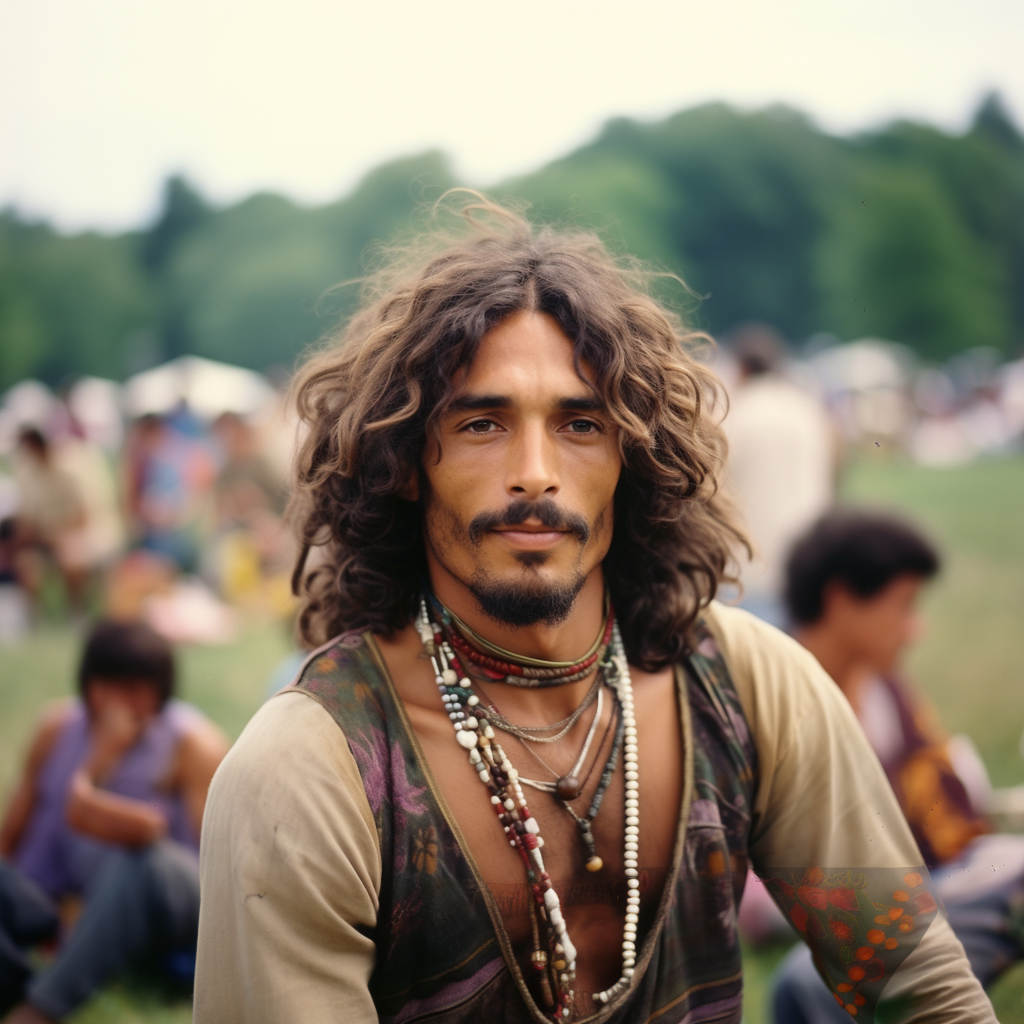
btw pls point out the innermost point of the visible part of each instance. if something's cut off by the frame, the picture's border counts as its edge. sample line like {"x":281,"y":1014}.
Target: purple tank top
{"x":61,"y":860}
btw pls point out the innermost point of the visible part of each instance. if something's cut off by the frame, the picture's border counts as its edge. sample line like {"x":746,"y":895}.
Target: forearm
{"x":935,"y":984}
{"x":114,"y":818}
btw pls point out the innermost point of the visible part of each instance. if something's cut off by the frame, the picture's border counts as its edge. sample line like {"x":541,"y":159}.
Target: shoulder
{"x":289,"y":730}
{"x":290,"y":872}
{"x":188,"y":720}
{"x":288,"y":799}
{"x":57,"y":713}
{"x":778,"y":682}
{"x":291,"y":762}
{"x":757,"y":653}
{"x":201,"y":742}
{"x":52,"y":722}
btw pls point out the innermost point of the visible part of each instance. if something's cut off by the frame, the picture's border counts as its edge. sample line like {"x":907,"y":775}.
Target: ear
{"x":837,"y":599}
{"x":409,"y":488}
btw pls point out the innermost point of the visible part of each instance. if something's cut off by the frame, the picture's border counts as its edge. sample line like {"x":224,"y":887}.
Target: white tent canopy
{"x":207,"y":387}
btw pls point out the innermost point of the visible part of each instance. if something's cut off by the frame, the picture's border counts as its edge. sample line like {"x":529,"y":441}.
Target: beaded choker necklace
{"x":496,"y":664}
{"x":554,"y":955}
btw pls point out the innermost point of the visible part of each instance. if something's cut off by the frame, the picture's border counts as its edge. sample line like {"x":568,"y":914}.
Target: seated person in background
{"x":852,"y":584}
{"x":108,"y":809}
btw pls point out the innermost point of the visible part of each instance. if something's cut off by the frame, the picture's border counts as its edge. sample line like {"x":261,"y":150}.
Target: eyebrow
{"x":479,"y":403}
{"x":581,"y":403}
{"x":476,"y":403}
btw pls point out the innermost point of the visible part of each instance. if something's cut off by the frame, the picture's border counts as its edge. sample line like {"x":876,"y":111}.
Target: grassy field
{"x":971,"y":663}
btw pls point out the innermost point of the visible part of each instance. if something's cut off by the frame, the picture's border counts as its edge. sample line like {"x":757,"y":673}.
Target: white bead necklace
{"x":475,"y":734}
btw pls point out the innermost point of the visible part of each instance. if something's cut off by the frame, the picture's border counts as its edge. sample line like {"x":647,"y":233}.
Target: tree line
{"x":908,"y":232}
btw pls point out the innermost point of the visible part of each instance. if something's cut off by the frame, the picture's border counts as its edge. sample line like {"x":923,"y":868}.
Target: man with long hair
{"x":523,"y":774}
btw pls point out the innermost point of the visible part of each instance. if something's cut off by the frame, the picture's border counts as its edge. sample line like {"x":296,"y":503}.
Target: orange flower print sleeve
{"x":860,"y":924}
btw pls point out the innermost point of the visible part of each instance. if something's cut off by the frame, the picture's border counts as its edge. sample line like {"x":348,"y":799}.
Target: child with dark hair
{"x":108,"y":810}
{"x":851,"y":589}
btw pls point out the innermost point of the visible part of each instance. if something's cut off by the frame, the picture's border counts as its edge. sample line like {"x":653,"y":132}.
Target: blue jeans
{"x":143,"y":904}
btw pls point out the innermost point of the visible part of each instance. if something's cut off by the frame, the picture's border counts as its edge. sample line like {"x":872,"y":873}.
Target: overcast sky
{"x":100,"y":100}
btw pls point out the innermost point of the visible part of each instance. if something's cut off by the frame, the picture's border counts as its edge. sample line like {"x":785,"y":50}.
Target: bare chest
{"x":593,"y":901}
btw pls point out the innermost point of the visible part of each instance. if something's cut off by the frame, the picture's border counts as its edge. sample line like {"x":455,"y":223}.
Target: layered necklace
{"x":553,"y":957}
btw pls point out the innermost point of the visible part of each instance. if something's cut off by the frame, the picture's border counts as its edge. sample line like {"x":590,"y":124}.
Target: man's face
{"x":519,"y":509}
{"x":878,"y":628}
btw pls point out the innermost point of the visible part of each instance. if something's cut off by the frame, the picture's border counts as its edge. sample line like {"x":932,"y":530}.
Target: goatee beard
{"x":530,"y":599}
{"x":523,"y":604}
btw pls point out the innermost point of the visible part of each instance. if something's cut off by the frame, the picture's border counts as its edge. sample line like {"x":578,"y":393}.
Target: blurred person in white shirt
{"x":781,"y":464}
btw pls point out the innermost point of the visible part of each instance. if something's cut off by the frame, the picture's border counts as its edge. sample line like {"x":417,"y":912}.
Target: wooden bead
{"x":595,"y":864}
{"x":568,"y":787}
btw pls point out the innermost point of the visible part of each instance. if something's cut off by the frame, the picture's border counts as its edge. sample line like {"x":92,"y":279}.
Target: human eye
{"x":581,"y":426}
{"x":480,"y":427}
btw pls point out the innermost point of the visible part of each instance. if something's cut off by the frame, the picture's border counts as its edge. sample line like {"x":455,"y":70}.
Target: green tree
{"x":253,"y":283}
{"x":67,"y":304}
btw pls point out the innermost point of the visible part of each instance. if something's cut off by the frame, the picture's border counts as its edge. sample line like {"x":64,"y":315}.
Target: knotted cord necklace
{"x":554,"y":958}
{"x":499,"y":665}
{"x":612,"y":719}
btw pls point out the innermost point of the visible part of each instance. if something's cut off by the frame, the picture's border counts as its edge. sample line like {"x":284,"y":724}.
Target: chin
{"x":526,"y":598}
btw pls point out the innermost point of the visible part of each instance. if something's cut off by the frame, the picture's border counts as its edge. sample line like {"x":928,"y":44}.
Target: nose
{"x":532,"y":470}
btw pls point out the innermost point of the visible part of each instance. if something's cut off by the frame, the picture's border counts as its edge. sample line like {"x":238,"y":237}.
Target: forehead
{"x":527,"y":354}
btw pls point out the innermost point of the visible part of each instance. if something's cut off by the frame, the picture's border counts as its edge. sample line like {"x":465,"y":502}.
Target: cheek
{"x":441,"y":522}
{"x":98,"y":698}
{"x":886,"y":634}
{"x":597,"y":479}
{"x":453,"y":483}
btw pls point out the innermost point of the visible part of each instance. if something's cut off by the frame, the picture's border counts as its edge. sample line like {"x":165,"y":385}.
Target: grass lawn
{"x":970,"y":663}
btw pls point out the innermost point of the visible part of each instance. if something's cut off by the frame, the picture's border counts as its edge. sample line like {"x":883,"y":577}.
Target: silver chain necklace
{"x":527,"y":732}
{"x":570,"y":780}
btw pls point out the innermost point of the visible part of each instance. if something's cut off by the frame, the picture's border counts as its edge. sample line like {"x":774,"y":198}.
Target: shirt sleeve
{"x":290,"y":871}
{"x":831,"y":844}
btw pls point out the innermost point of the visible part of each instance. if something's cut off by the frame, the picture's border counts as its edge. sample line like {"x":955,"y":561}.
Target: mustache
{"x":517,"y":512}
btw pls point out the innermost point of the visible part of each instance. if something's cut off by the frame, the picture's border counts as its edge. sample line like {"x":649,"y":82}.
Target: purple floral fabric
{"x":438,"y":952}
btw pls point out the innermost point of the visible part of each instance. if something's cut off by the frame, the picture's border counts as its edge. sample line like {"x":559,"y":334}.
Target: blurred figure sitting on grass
{"x":852,"y":585}
{"x":168,"y":476}
{"x":51,"y":512}
{"x":252,"y":554}
{"x":106,"y":816}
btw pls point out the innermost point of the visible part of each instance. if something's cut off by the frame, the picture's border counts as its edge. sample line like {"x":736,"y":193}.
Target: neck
{"x":564,"y":641}
{"x":836,"y":657}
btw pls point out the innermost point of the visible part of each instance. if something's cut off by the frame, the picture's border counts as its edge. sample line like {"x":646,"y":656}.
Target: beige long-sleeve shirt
{"x":291,"y":867}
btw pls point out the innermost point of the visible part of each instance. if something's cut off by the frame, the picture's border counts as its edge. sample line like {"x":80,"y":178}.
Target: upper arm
{"x":19,"y":807}
{"x":200,"y":753}
{"x":831,"y":843}
{"x":290,"y":872}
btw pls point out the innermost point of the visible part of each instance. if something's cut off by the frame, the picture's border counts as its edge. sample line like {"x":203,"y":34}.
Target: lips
{"x":532,"y":538}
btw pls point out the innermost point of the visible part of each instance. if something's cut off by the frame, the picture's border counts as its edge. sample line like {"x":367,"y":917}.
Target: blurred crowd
{"x":796,"y":416}
{"x":161,"y":500}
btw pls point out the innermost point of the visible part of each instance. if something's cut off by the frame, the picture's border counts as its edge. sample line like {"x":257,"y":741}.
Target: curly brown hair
{"x":371,"y":400}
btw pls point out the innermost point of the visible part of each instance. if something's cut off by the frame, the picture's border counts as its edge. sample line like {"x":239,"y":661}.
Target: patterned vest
{"x":442,"y":951}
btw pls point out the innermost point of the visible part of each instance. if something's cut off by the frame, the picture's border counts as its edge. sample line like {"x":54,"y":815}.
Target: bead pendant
{"x":568,"y":787}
